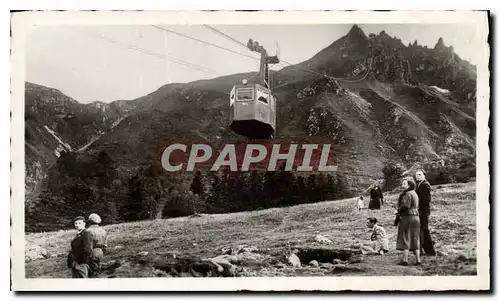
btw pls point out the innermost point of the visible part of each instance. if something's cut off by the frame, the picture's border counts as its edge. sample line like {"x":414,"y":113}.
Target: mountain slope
{"x":378,"y":102}
{"x":55,"y":123}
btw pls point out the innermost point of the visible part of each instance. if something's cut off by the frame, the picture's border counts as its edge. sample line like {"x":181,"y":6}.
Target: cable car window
{"x":244,"y":94}
{"x":263,"y":99}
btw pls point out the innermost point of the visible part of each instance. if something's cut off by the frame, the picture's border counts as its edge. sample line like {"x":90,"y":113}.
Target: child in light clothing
{"x":361,"y":204}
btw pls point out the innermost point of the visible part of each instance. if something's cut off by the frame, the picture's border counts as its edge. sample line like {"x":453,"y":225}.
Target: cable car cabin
{"x":252,"y":111}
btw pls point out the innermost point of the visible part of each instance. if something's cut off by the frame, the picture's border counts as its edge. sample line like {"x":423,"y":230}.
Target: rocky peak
{"x":440,"y":46}
{"x":355,"y":40}
{"x":356,"y":33}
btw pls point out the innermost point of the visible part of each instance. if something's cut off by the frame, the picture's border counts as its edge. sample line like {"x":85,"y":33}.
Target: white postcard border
{"x":22,"y":23}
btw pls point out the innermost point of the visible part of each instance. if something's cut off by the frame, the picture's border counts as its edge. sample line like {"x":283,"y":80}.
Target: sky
{"x":108,"y":63}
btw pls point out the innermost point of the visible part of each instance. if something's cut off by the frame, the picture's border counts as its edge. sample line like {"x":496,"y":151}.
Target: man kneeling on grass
{"x":379,"y":242}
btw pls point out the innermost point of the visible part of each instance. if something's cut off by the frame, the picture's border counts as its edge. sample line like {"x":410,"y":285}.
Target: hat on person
{"x":96,"y":219}
{"x":79,"y":218}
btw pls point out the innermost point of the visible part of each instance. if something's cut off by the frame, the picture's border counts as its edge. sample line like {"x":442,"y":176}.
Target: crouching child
{"x":379,"y":242}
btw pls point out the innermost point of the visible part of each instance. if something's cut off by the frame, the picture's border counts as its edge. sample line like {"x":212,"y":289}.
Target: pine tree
{"x":256,"y":192}
{"x":233,"y":193}
{"x":112,"y":213}
{"x":285,"y":182}
{"x":197,"y":184}
{"x":270,"y":190}
{"x":311,"y":189}
{"x":321,"y":183}
{"x":341,"y":188}
{"x":218,"y":193}
{"x":243,"y":191}
{"x":301,"y":190}
{"x":330,"y":187}
{"x":133,"y":207}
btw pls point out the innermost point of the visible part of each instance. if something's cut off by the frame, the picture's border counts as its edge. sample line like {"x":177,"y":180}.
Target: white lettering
{"x":289,"y":157}
{"x":324,"y":159}
{"x":227,"y":150}
{"x":165,"y":162}
{"x":194,"y":158}
{"x":307,"y":157}
{"x":248,"y":158}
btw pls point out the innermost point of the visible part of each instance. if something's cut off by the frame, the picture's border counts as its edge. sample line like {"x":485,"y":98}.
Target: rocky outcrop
{"x":244,"y":261}
{"x":35,"y":252}
{"x":322,"y":122}
{"x":324,"y":84}
{"x":440,"y":66}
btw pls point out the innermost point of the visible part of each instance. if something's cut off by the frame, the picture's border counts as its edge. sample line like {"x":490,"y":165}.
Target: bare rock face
{"x":293,"y":260}
{"x":247,"y":262}
{"x":314,"y":263}
{"x":239,"y":249}
{"x":321,"y":239}
{"x":183,"y":265}
{"x":324,"y":84}
{"x":34,"y":252}
{"x":322,"y":122}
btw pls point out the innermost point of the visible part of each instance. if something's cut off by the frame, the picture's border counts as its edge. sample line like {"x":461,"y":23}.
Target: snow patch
{"x":62,"y":145}
{"x":99,"y":135}
{"x":117,"y":122}
{"x":440,"y":89}
{"x":90,"y":143}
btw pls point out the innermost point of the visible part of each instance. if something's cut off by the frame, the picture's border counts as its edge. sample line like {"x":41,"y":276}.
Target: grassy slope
{"x":452,"y":224}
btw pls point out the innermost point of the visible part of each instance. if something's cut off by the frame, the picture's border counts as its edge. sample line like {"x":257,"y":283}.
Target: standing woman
{"x":376,"y":198}
{"x":409,"y":222}
{"x":81,"y":250}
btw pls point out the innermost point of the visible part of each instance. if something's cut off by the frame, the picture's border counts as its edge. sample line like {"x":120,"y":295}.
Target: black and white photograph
{"x":265,"y":147}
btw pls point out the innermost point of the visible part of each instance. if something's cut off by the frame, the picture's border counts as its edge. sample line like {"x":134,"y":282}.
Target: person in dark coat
{"x":424,"y":195}
{"x":376,"y":198}
{"x":81,"y":251}
{"x":408,"y":223}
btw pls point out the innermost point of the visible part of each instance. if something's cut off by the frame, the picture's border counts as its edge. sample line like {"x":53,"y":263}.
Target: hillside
{"x":147,"y":248}
{"x":385,"y":107}
{"x":56,"y":123}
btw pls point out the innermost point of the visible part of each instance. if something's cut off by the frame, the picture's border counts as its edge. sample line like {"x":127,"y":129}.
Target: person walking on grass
{"x":408,"y":222}
{"x":424,"y":195}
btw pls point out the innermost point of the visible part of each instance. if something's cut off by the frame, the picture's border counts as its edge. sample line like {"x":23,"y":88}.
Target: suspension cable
{"x":204,"y":42}
{"x":152,"y":53}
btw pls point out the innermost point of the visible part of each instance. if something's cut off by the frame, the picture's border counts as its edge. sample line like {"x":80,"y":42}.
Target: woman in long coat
{"x":376,"y":198}
{"x":409,"y":222}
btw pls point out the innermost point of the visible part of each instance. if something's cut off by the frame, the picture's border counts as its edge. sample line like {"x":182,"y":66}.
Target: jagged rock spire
{"x":440,"y":45}
{"x":356,"y":33}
